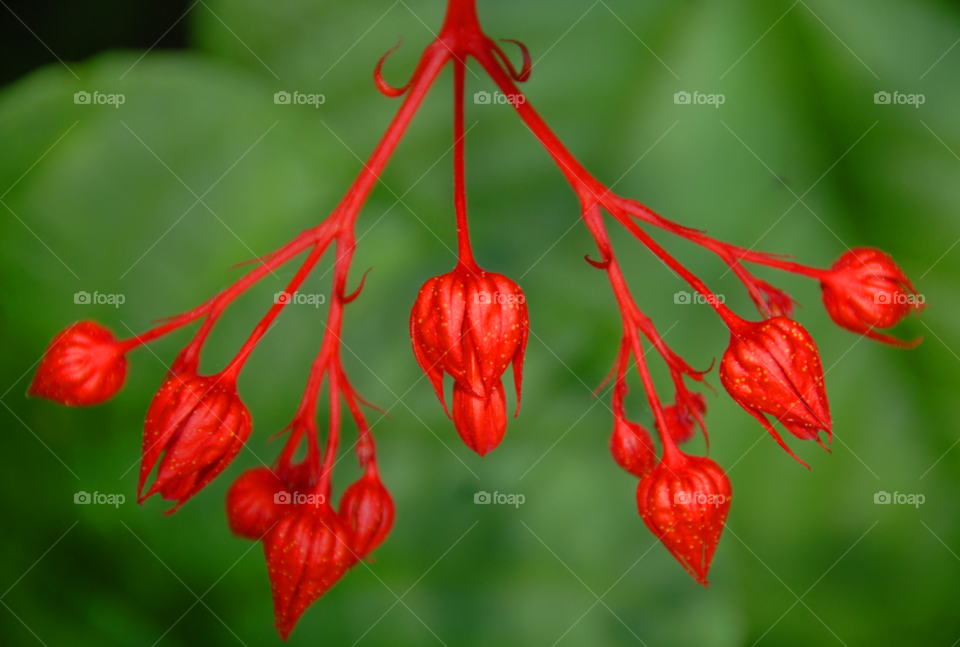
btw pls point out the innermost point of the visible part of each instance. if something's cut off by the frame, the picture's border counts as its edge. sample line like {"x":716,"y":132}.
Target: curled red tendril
{"x":385,"y":88}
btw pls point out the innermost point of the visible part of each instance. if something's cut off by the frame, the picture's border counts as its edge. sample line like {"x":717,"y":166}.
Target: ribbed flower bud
{"x":83,"y":365}
{"x":367,"y":508}
{"x":681,"y":418}
{"x":773,"y":367}
{"x":471,"y":326}
{"x":198,"y":424}
{"x":866,"y":289}
{"x":632,"y":447}
{"x":685,"y":502}
{"x":253,"y":504}
{"x":306,"y":552}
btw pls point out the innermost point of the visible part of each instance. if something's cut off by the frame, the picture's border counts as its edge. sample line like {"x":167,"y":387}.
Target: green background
{"x":798,"y":120}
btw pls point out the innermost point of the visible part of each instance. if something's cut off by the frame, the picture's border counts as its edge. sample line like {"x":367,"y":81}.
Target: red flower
{"x":472,"y":325}
{"x":684,"y":501}
{"x":83,"y":365}
{"x":367,"y":508}
{"x":681,"y":418}
{"x":865,"y":289}
{"x":306,"y":553}
{"x":773,"y":367}
{"x":632,"y":447}
{"x":199,"y":425}
{"x":252,"y":503}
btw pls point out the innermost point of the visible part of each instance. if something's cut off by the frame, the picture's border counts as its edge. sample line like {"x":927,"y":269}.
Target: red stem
{"x":340,"y":226}
{"x":233,"y":369}
{"x":214,"y":306}
{"x":671,"y":453}
{"x":330,"y":351}
{"x":459,"y":182}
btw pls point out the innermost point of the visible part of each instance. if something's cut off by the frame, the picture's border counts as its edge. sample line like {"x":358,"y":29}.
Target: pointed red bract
{"x":471,"y":325}
{"x":632,"y":447}
{"x":253,"y":505}
{"x":685,"y":504}
{"x":307,"y":551}
{"x":773,"y":367}
{"x":866,"y":289}
{"x":84,"y":365}
{"x":367,"y":508}
{"x":199,"y":425}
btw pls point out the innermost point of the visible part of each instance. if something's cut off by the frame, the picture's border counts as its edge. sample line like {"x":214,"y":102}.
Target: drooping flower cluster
{"x":471,"y":324}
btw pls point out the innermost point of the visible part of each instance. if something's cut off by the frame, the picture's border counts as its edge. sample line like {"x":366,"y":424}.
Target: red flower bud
{"x":681,"y":419}
{"x":83,"y":365}
{"x":866,"y":289}
{"x":481,"y":422}
{"x":252,"y":506}
{"x":472,"y":325}
{"x":773,"y":367}
{"x":367,"y":508}
{"x":632,"y":447}
{"x":199,"y":425}
{"x":306,"y":553}
{"x":685,"y":502}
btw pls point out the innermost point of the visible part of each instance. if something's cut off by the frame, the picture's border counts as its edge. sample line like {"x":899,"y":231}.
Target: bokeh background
{"x":93,"y":198}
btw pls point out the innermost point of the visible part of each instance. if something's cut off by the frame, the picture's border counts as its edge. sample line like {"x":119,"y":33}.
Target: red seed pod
{"x":471,"y":325}
{"x":253,"y":505}
{"x":685,"y":502}
{"x":84,"y":365}
{"x":481,"y":422}
{"x":632,"y":447}
{"x":199,"y":425}
{"x":681,"y":419}
{"x":866,"y":289}
{"x":307,"y":551}
{"x":773,"y":367}
{"x":367,"y":508}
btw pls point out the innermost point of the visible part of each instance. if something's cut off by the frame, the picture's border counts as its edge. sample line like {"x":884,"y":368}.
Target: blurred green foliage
{"x":98,"y":202}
